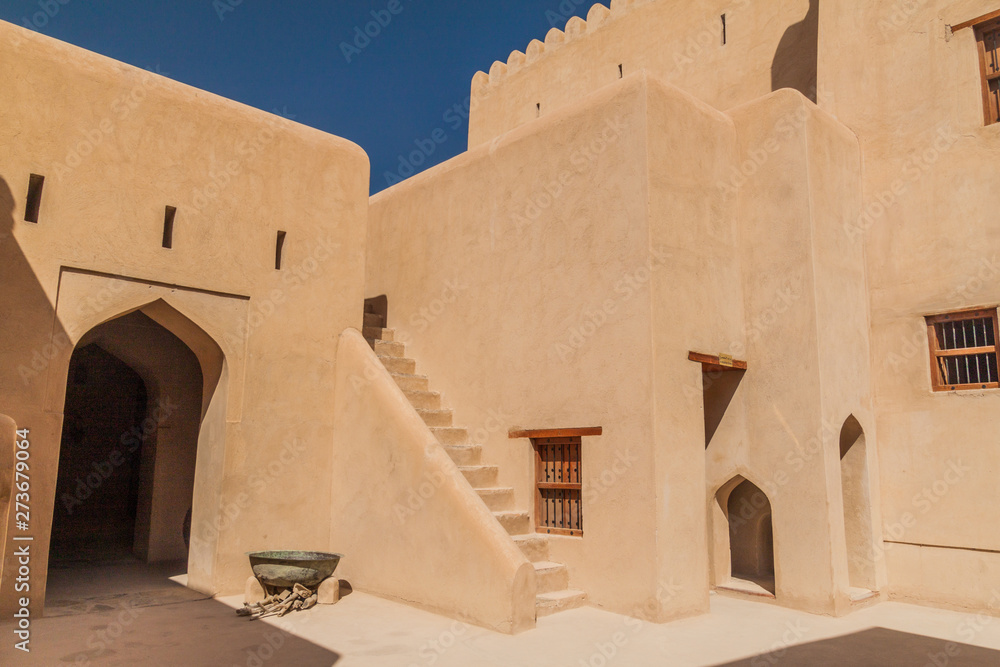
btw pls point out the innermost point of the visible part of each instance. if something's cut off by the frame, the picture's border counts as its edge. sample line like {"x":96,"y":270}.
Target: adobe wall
{"x":745,"y":262}
{"x":517,"y":275}
{"x":697,"y":305}
{"x":912,"y":94}
{"x":767,"y":46}
{"x":117,"y":145}
{"x":804,"y":290}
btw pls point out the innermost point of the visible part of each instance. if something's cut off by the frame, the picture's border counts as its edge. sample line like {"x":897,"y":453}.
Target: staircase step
{"x":466,"y":455}
{"x":398,"y":365}
{"x":534,"y":547}
{"x":480,"y":477}
{"x":551,"y":603}
{"x":497,"y":499}
{"x":373,"y":320}
{"x":450,"y":435}
{"x":424,"y":400}
{"x":378,"y":333}
{"x":437,"y":418}
{"x":515,"y":523}
{"x":388,"y":348}
{"x":551,"y":577}
{"x":410,"y":382}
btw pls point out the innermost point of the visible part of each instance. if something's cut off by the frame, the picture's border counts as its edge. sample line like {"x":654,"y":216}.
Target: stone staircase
{"x":553,"y":593}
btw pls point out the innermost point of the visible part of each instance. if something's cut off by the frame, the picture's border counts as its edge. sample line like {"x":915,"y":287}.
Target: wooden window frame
{"x":572,"y":467}
{"x":936,"y":354}
{"x":570,"y":437}
{"x":981,"y":26}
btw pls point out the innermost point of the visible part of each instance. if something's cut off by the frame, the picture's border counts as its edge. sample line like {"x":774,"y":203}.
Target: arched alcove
{"x":855,"y":490}
{"x":743,"y":538}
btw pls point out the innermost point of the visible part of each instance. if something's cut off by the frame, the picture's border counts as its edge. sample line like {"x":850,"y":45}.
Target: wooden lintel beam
{"x":713,"y":362}
{"x":976,"y":21}
{"x":556,"y":432}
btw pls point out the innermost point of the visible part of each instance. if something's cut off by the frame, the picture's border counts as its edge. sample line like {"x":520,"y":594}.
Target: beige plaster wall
{"x":740,"y":227}
{"x":769,"y":45}
{"x":411,"y":525}
{"x":118,"y":144}
{"x":804,"y":289}
{"x":506,"y":270}
{"x":697,"y":305}
{"x":929,"y":230}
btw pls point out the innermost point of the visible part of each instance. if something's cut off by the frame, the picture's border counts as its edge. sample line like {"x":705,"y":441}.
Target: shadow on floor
{"x":876,"y":647}
{"x":126,"y":612}
{"x":82,"y":588}
{"x":194,"y":634}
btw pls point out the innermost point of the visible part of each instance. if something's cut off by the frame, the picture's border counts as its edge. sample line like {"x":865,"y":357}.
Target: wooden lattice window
{"x":987,"y":29}
{"x":988,"y":38}
{"x":963,"y":349}
{"x":559,"y":474}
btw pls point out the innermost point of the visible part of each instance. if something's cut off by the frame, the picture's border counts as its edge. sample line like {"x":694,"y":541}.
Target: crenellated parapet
{"x":576,"y":28}
{"x":723,"y":52}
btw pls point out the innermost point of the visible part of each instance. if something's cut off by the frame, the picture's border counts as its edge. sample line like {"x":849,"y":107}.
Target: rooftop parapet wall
{"x":757,"y":48}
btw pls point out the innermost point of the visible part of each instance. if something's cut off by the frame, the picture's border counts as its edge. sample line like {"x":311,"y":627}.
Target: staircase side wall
{"x":409,"y":524}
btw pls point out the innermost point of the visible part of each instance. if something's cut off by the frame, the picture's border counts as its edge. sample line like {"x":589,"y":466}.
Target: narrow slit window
{"x":724,"y":35}
{"x":963,"y":350}
{"x":621,"y":71}
{"x":33,"y":205}
{"x":279,"y":246}
{"x":538,"y":109}
{"x":168,"y":227}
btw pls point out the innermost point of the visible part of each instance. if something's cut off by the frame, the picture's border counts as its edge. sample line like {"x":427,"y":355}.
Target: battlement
{"x":576,"y":28}
{"x":724,"y":52}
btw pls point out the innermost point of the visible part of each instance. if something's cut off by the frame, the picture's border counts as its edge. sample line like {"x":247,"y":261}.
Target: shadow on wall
{"x":25,"y":311}
{"x":795,"y":62}
{"x":26,"y":314}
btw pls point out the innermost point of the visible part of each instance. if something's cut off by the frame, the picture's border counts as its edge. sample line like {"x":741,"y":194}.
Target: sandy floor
{"x":151,"y":621}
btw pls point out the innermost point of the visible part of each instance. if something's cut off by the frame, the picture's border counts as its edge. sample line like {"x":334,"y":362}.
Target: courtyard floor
{"x":153,"y":620}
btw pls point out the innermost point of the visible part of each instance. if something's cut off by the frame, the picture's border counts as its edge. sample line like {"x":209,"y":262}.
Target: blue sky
{"x":394,"y":92}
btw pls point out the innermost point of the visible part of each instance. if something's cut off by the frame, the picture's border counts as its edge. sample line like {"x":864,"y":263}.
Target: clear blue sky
{"x":290,"y":55}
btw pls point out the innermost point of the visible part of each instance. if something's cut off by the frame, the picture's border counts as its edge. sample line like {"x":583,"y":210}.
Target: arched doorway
{"x":747,"y":513}
{"x":857,"y":505}
{"x":125,"y":485}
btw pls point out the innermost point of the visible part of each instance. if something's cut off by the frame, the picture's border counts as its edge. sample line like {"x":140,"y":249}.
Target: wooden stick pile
{"x":278,"y":604}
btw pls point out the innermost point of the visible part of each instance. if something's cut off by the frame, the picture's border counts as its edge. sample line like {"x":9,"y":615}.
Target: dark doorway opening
{"x":97,"y":491}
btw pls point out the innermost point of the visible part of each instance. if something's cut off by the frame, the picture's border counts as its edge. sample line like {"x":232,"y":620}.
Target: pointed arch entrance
{"x":743,"y":538}
{"x":138,"y":390}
